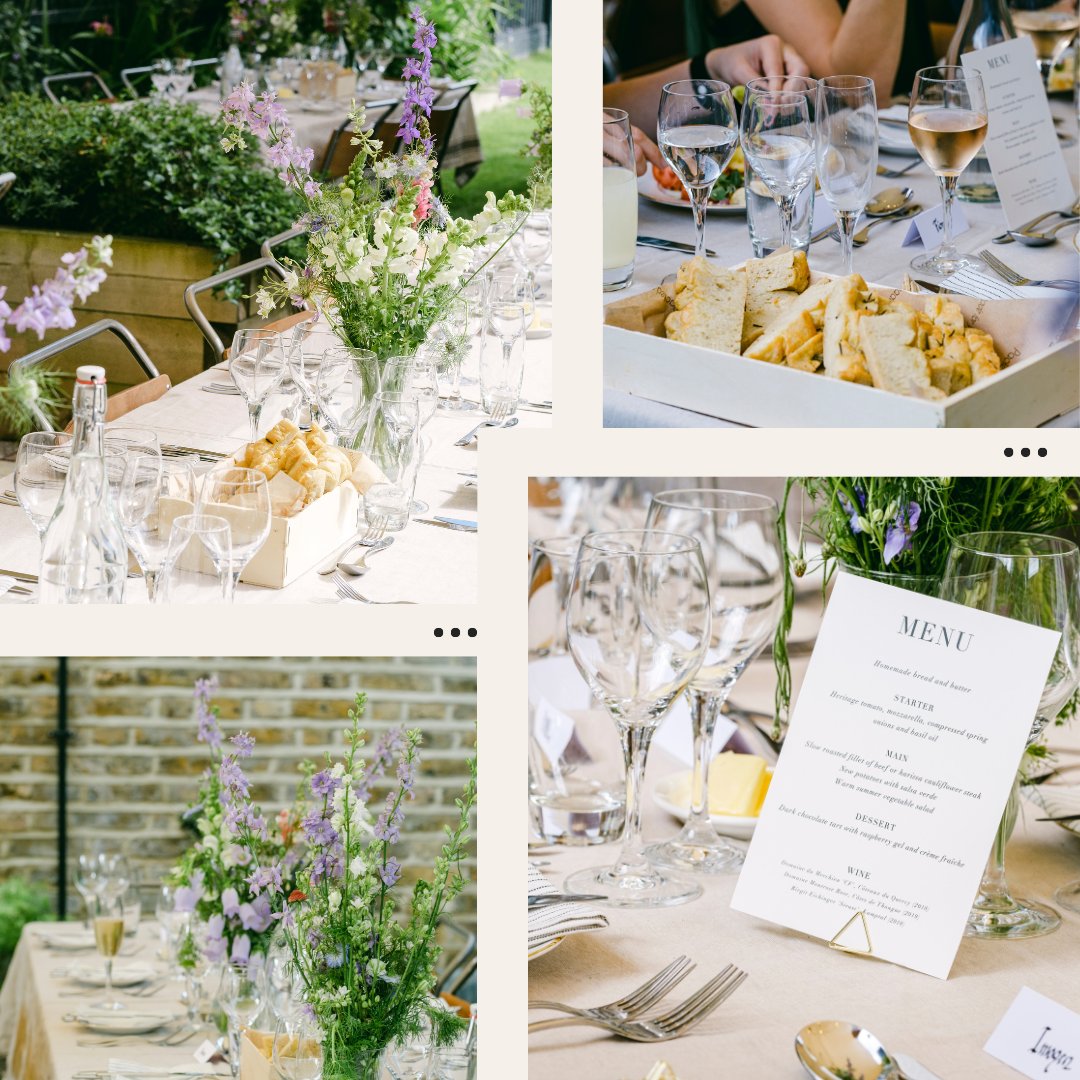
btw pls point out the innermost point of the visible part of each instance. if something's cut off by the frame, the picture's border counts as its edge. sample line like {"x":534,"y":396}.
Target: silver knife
{"x":932,"y":287}
{"x":669,"y":245}
{"x":464,"y":523}
{"x":446,"y":525}
{"x":550,"y":899}
{"x":913,"y":1070}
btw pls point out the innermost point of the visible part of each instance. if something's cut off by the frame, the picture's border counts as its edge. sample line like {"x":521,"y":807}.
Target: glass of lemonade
{"x":108,"y":936}
{"x":620,"y":201}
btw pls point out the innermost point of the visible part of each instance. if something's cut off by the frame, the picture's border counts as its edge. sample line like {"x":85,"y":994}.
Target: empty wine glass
{"x":304,"y":354}
{"x":1034,"y":579}
{"x":778,"y":142}
{"x":345,"y":387}
{"x":154,"y":490}
{"x":847,"y":145}
{"x":242,"y":498}
{"x":533,"y":243}
{"x":393,"y":444}
{"x":947,"y":120}
{"x":174,"y":924}
{"x":451,"y":338}
{"x":638,"y":624}
{"x":257,"y":367}
{"x":192,"y":539}
{"x":395,"y":373}
{"x":241,"y":998}
{"x":41,"y":468}
{"x":108,"y":936}
{"x":698,"y":132}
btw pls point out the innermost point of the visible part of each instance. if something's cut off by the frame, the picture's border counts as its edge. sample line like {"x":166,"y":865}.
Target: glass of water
{"x":393,"y":444}
{"x":763,"y":217}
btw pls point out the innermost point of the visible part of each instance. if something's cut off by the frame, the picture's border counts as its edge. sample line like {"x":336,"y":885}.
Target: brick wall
{"x":134,"y":762}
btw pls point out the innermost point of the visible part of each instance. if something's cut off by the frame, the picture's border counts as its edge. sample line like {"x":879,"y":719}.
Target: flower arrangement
{"x":268,"y":27}
{"x":33,"y":393}
{"x":905,"y":526}
{"x":221,"y":881}
{"x":368,"y":973}
{"x":384,"y":259}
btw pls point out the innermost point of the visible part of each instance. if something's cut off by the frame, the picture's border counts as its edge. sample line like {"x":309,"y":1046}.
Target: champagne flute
{"x":243,"y":499}
{"x":698,"y":131}
{"x":847,"y":146}
{"x":108,"y":936}
{"x":947,"y":121}
{"x":89,"y":879}
{"x":777,"y":138}
{"x":1034,"y":579}
{"x":740,"y":542}
{"x":257,"y":367}
{"x":638,"y":623}
{"x":151,"y":485}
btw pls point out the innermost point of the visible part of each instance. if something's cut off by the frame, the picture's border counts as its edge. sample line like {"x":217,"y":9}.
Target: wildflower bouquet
{"x":267,"y":27}
{"x":384,"y":259}
{"x":221,"y":881}
{"x":368,"y":972}
{"x":905,"y":526}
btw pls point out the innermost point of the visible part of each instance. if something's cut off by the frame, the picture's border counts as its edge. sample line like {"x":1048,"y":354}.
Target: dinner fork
{"x":893,"y":173}
{"x":633,"y":1004}
{"x":671,"y":1024}
{"x":346,"y":591}
{"x":1010,"y":276}
{"x":376,"y":528}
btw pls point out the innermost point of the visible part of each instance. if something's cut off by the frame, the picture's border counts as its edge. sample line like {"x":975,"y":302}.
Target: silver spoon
{"x":863,"y":234}
{"x":360,"y":567}
{"x":836,"y":1050}
{"x":888,"y":201}
{"x":1042,"y":239}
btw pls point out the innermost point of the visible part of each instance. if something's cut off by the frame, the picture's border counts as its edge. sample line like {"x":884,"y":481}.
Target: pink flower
{"x":102,"y":28}
{"x":423,"y":200}
{"x":311,"y":189}
{"x":510,"y":88}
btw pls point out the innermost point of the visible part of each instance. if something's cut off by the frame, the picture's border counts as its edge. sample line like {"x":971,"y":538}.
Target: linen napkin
{"x":548,"y":923}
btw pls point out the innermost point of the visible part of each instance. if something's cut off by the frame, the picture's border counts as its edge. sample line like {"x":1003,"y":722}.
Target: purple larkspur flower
{"x":323,"y":783}
{"x":898,"y":535}
{"x":852,"y":513}
{"x":388,"y":827}
{"x":390,"y":872}
{"x":213,"y":945}
{"x":244,"y":744}
{"x":233,"y":781}
{"x":265,"y":877}
{"x":416,"y":75}
{"x":317,"y":830}
{"x":208,"y":732}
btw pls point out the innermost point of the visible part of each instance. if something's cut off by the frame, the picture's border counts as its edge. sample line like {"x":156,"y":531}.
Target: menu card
{"x":901,"y":754}
{"x":1021,"y":146}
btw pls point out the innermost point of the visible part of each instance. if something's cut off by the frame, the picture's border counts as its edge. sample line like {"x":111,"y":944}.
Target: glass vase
{"x":348,"y":1063}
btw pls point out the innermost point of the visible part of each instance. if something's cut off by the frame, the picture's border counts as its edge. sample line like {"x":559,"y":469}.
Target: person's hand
{"x":738,"y":64}
{"x":646,"y":152}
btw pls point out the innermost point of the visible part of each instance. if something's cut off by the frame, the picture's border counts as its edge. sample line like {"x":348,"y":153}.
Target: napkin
{"x":548,"y":923}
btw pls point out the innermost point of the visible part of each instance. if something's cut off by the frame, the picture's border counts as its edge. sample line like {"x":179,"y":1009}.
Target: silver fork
{"x":633,"y":1004}
{"x":671,"y":1024}
{"x":375,"y":532}
{"x":346,"y":591}
{"x":1010,"y":276}
{"x":468,"y":437}
{"x":893,"y":173}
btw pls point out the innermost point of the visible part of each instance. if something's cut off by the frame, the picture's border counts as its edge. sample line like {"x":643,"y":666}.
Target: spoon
{"x":888,"y":201}
{"x":838,"y":1050}
{"x":1042,"y":239}
{"x":862,"y":235}
{"x":360,"y":567}
{"x":1028,"y":226}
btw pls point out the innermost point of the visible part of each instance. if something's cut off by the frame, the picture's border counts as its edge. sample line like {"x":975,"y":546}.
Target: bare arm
{"x":864,"y":40}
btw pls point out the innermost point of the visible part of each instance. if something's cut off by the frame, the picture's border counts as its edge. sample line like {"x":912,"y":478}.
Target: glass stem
{"x":636,"y":739}
{"x":786,"y":205}
{"x":948,"y":191}
{"x":254,"y":412}
{"x":108,"y":981}
{"x":704,"y":709}
{"x":560,"y":581}
{"x":228,"y":586}
{"x":845,"y":226}
{"x":994,"y":889}
{"x":151,"y":579}
{"x":234,"y":1049}
{"x":699,"y":200}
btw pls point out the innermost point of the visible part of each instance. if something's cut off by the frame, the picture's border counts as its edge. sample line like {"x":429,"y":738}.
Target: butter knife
{"x":933,"y":287}
{"x":669,"y":245}
{"x":464,"y":526}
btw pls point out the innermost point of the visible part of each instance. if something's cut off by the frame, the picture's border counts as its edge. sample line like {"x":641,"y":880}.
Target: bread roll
{"x":793,"y":326}
{"x":770,"y":282}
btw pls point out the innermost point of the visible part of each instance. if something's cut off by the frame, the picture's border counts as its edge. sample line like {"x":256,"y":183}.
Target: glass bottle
{"x":982,"y":23}
{"x":83,"y":555}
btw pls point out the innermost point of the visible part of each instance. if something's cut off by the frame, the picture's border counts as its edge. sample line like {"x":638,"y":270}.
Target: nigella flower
{"x":390,"y":872}
{"x":244,"y":744}
{"x":898,"y":535}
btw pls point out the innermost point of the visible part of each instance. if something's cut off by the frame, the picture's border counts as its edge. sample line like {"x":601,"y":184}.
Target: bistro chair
{"x":444,"y":114}
{"x":267,"y":249}
{"x":340,"y":152}
{"x":78,"y":337}
{"x":86,"y":78}
{"x":235,"y":273}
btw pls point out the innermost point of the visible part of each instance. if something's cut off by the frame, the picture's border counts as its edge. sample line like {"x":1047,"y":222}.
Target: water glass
{"x":502,"y":361}
{"x":304,"y":355}
{"x":393,"y":444}
{"x":551,"y":566}
{"x":257,"y":367}
{"x":620,"y":201}
{"x":196,"y":541}
{"x":450,"y":340}
{"x":131,"y":900}
{"x":763,"y":217}
{"x":242,"y":498}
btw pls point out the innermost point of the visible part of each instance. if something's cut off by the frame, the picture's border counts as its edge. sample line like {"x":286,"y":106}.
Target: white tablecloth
{"x":882,"y":261}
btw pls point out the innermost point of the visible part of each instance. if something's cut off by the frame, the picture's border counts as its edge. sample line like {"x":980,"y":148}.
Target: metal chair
{"x":458,"y":969}
{"x":339,"y":152}
{"x":71,"y":76}
{"x":7,"y":182}
{"x":146,"y":70}
{"x":267,"y":249}
{"x":191,"y":293}
{"x":444,"y":114}
{"x":77,"y":337}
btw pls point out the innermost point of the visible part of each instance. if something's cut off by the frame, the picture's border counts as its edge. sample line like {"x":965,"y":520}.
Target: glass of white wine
{"x":698,"y":133}
{"x":108,"y":936}
{"x":1050,"y":27}
{"x":947,"y":118}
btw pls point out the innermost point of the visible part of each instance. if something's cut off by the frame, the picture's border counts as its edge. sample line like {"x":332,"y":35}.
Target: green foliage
{"x":37,"y":385}
{"x":25,"y":58}
{"x":539,"y":146}
{"x":152,"y":170}
{"x":21,"y":902}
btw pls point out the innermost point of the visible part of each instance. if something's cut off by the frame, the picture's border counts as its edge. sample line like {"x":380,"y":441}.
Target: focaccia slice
{"x":709,"y":304}
{"x":792,"y":326}
{"x":893,"y":357}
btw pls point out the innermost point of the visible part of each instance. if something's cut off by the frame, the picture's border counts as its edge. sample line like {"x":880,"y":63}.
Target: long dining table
{"x":425,"y":564}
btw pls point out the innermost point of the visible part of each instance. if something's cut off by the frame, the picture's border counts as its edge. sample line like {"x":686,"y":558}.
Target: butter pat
{"x":737,"y":785}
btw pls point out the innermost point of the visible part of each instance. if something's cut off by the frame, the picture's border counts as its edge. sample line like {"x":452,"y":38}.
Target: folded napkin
{"x":546,"y":924}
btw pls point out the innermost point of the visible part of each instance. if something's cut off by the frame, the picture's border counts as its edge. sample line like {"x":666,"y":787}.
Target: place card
{"x":903,"y":746}
{"x":929,"y":226}
{"x":1021,"y":146}
{"x":1037,"y":1037}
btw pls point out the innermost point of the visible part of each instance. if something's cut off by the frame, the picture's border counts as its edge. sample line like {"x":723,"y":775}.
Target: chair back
{"x":444,"y":114}
{"x":130,"y":399}
{"x":99,"y":91}
{"x":340,"y":152}
{"x":267,"y":249}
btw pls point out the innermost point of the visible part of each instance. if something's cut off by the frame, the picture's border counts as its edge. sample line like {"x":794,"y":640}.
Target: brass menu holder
{"x":834,"y":941}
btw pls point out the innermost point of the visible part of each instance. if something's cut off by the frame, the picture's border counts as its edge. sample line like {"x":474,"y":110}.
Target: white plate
{"x":122,"y":1023}
{"x":894,"y":139}
{"x":72,"y":940}
{"x":647,"y":186}
{"x":93,"y":974}
{"x":543,"y":950}
{"x":742,"y":828}
{"x":538,"y":330}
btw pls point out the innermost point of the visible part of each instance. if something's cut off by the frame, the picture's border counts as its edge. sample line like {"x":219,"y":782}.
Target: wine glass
{"x":174,"y":924}
{"x":1034,"y":579}
{"x":108,"y":936}
{"x":89,"y":879}
{"x":181,"y":574}
{"x":243,"y":499}
{"x":847,"y":146}
{"x":297,"y":1051}
{"x":393,"y":444}
{"x":122,"y":444}
{"x":777,"y":137}
{"x":638,"y":623}
{"x":41,"y":468}
{"x":146,"y":504}
{"x":1050,"y":26}
{"x":534,"y":243}
{"x":451,"y":338}
{"x":740,"y":543}
{"x":697,"y":130}
{"x":257,"y":367}
{"x":347,"y":381}
{"x":241,"y":998}
{"x":947,"y":121}
{"x":395,"y":373}
{"x":304,"y":355}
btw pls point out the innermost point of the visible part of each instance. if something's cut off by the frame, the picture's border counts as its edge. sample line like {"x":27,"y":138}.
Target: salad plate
{"x":658,"y":189}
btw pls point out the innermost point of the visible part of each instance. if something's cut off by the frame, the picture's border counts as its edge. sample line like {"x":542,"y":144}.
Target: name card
{"x":901,"y":754}
{"x":1023,"y":151}
{"x":1037,"y":1037}
{"x":929,"y":226}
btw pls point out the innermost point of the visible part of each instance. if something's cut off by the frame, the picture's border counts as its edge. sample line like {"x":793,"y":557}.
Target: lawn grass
{"x":502,"y":135}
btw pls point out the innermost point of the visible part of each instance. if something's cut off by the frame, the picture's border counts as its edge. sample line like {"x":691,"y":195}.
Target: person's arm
{"x":733,"y":64}
{"x":864,"y":40}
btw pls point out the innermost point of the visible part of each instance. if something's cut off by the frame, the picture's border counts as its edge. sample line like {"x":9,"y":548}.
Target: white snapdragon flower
{"x":338,"y":771}
{"x":356,"y":867}
{"x":211,"y":843}
{"x":334,"y":900}
{"x":490,"y":215}
{"x":102,"y":249}
{"x":264,"y":303}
